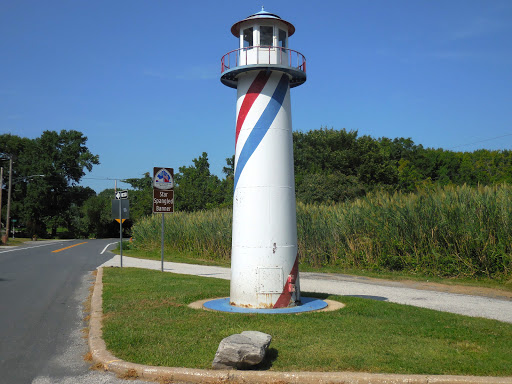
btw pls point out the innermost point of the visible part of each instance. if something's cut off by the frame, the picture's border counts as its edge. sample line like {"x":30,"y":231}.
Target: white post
{"x":8,"y":216}
{"x":162,"y":241}
{"x":120,"y":233}
{"x":1,"y":188}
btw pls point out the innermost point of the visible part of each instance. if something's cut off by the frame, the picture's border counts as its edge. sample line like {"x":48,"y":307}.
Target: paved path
{"x":476,"y":306}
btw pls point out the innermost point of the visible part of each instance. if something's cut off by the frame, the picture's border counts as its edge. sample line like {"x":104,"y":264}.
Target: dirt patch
{"x":332,"y":306}
{"x":199,"y":304}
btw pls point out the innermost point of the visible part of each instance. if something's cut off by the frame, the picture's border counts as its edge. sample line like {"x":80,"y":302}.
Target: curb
{"x":101,"y":355}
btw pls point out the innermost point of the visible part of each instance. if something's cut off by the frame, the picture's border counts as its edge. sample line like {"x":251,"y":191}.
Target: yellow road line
{"x":71,"y":246}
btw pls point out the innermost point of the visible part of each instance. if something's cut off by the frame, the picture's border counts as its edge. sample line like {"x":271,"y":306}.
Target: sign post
{"x":163,"y":197}
{"x":122,"y":206}
{"x":120,"y":231}
{"x":13,"y":225}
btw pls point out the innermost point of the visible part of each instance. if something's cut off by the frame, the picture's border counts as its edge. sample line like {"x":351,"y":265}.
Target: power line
{"x":105,"y":178}
{"x":481,"y":141}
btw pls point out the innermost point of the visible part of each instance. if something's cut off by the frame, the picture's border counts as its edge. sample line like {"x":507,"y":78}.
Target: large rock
{"x":242,"y":350}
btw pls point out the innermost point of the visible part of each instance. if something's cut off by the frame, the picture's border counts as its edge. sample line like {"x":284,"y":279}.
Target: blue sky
{"x":141,"y":78}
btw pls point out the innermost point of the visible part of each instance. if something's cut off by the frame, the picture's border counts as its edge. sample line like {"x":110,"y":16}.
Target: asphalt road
{"x":41,"y":321}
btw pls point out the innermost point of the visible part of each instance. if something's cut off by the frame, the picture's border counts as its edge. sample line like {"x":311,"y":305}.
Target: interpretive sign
{"x":163,"y":197}
{"x":163,"y":190}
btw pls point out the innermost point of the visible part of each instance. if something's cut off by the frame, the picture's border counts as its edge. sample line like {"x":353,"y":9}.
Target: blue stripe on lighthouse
{"x":262,"y":126}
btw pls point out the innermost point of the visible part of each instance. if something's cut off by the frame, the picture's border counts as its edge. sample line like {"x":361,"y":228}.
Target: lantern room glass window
{"x":248,"y":41}
{"x":282,"y":39}
{"x":266,"y":36}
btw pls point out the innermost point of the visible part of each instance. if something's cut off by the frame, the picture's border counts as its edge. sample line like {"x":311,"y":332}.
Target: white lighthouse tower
{"x":264,"y":265}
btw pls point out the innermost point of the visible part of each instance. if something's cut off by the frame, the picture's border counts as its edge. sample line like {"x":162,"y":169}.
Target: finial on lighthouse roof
{"x":235,"y":29}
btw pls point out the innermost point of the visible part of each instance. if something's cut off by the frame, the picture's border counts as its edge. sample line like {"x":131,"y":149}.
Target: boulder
{"x":242,"y":350}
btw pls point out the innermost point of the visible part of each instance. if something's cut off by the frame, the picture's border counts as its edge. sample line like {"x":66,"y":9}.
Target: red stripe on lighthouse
{"x":286,"y":296}
{"x":251,"y":95}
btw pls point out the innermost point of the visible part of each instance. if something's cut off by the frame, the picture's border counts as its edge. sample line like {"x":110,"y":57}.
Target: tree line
{"x":338,"y":165}
{"x":330,"y":166}
{"x":45,"y":176}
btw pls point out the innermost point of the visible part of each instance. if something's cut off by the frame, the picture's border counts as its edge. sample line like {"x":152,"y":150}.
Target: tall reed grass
{"x":445,"y":231}
{"x":204,"y":233}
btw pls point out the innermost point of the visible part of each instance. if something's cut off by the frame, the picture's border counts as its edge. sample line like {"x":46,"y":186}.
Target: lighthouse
{"x":263,"y":69}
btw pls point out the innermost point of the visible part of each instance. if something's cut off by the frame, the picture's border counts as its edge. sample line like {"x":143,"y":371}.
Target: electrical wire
{"x":481,"y":141}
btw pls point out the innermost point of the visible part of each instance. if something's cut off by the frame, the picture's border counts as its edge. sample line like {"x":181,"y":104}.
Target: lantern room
{"x":263,"y":44}
{"x":263,"y":29}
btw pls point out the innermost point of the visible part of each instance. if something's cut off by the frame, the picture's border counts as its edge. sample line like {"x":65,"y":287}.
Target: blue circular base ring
{"x":307,"y":304}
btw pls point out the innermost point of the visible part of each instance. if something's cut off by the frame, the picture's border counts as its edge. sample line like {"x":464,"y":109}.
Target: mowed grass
{"x":147,"y":321}
{"x":16,"y":241}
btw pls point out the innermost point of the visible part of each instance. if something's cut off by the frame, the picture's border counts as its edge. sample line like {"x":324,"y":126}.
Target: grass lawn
{"x":147,"y":321}
{"x":16,"y":240}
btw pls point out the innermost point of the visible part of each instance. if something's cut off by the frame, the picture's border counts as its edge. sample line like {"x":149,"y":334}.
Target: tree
{"x":196,"y":188}
{"x":409,"y":177}
{"x":97,"y":220}
{"x":374,"y":168}
{"x":229,"y":169}
{"x":141,"y":198}
{"x":227,"y":185}
{"x":328,"y":187}
{"x":335,"y":165}
{"x":73,"y":218}
{"x":62,"y":159}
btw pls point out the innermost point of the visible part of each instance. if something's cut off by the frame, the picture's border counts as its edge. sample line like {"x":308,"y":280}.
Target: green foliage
{"x":333,"y":166}
{"x":328,"y":188}
{"x":141,"y":197}
{"x":96,"y":216}
{"x":337,"y":165}
{"x":72,"y":219}
{"x":207,"y":233}
{"x":196,"y":188}
{"x":229,"y":169}
{"x":409,"y":177}
{"x":42,"y":202}
{"x":444,"y":231}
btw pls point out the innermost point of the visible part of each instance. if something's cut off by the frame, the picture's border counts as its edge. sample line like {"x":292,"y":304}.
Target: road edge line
{"x":106,"y":246}
{"x":100,"y":355}
{"x":15,"y":248}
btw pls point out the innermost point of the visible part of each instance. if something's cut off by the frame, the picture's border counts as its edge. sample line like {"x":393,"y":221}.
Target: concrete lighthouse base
{"x":308,"y":304}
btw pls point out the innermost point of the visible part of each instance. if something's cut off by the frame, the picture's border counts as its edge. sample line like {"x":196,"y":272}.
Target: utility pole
{"x":8,"y":218}
{"x":1,"y":188}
